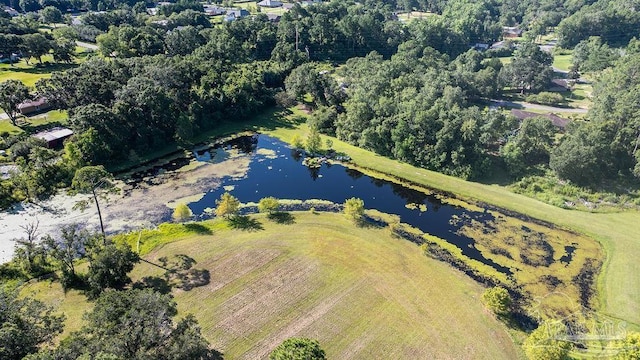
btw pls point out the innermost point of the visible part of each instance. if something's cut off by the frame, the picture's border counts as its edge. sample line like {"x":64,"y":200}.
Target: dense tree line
{"x":417,"y":107}
{"x":608,"y":146}
{"x":616,"y":22}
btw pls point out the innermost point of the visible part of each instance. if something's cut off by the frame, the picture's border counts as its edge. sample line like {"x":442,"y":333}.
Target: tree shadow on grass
{"x":214,"y":355}
{"x":192,"y":278}
{"x":198,"y":229}
{"x":245,"y":223}
{"x":179,"y":273}
{"x":153,"y":282}
{"x":284,"y":218}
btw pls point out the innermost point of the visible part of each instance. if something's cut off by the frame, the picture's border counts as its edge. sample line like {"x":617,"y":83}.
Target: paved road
{"x":87,"y":45}
{"x":526,"y":105}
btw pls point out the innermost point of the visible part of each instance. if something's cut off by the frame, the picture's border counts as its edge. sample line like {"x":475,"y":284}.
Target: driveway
{"x":526,"y":105}
{"x":87,"y":45}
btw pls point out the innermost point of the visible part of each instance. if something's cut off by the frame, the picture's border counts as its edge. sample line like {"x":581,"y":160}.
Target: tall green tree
{"x":313,"y":144}
{"x":546,"y":342}
{"x":12,"y":94}
{"x":108,"y":267}
{"x":25,"y":324}
{"x":66,"y":249}
{"x":96,"y":181}
{"x":35,"y":45}
{"x":51,"y":15}
{"x":136,"y":325}
{"x":64,"y":50}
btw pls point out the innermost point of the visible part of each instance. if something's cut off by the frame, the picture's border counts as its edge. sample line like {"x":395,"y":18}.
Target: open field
{"x":358,"y":291}
{"x":31,"y":73}
{"x":619,"y":289}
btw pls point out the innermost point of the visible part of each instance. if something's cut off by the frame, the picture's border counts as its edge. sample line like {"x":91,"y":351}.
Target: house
{"x":556,"y":120}
{"x":33,"y":106}
{"x":560,"y":85}
{"x":233,"y":14}
{"x":54,"y":137}
{"x":11,"y":11}
{"x":511,"y":32}
{"x":274,"y":18}
{"x":163,"y":22}
{"x":9,"y":59}
{"x":213,"y":10}
{"x":480,"y":46}
{"x":270,"y":3}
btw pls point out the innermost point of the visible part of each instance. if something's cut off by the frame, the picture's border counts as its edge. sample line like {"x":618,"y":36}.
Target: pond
{"x":277,"y":170}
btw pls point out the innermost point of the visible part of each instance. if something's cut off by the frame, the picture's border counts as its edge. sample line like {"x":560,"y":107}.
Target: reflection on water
{"x":284,"y":177}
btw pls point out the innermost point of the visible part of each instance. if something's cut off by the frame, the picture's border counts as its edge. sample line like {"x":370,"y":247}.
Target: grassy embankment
{"x":619,"y":288}
{"x":359,"y":291}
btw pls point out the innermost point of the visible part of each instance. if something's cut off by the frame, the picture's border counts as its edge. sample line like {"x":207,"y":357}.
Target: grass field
{"x":562,"y":62}
{"x":619,"y":290}
{"x":33,"y":72}
{"x":359,"y":291}
{"x":51,"y":118}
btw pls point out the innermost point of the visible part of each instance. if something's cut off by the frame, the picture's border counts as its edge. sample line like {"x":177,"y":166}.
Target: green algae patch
{"x":544,"y":259}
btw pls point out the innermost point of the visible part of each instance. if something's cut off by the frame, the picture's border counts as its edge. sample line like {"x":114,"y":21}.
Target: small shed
{"x":54,"y":137}
{"x":33,"y":106}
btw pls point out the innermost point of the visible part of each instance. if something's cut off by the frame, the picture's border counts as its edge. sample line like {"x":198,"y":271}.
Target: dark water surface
{"x":284,"y":177}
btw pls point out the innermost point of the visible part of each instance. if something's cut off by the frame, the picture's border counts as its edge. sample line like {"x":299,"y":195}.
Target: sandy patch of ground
{"x":144,"y":204}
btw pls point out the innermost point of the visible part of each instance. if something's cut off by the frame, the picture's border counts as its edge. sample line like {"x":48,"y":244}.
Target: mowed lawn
{"x":360,"y":292}
{"x":31,"y":73}
{"x":619,"y":233}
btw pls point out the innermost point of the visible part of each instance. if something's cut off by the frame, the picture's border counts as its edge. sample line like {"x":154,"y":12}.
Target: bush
{"x":284,"y":100}
{"x":298,"y":349}
{"x":546,"y":98}
{"x":498,"y":300}
{"x":354,"y":209}
{"x":182,"y":213}
{"x":268,"y":205}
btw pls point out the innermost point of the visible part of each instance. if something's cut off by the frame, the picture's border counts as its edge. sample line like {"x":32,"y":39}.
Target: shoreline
{"x":145,"y":204}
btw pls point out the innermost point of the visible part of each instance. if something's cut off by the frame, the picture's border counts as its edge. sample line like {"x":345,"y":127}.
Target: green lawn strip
{"x":562,"y":62}
{"x":618,"y":288}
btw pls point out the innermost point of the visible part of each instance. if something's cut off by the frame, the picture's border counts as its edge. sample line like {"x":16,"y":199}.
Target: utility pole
{"x":297,"y":37}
